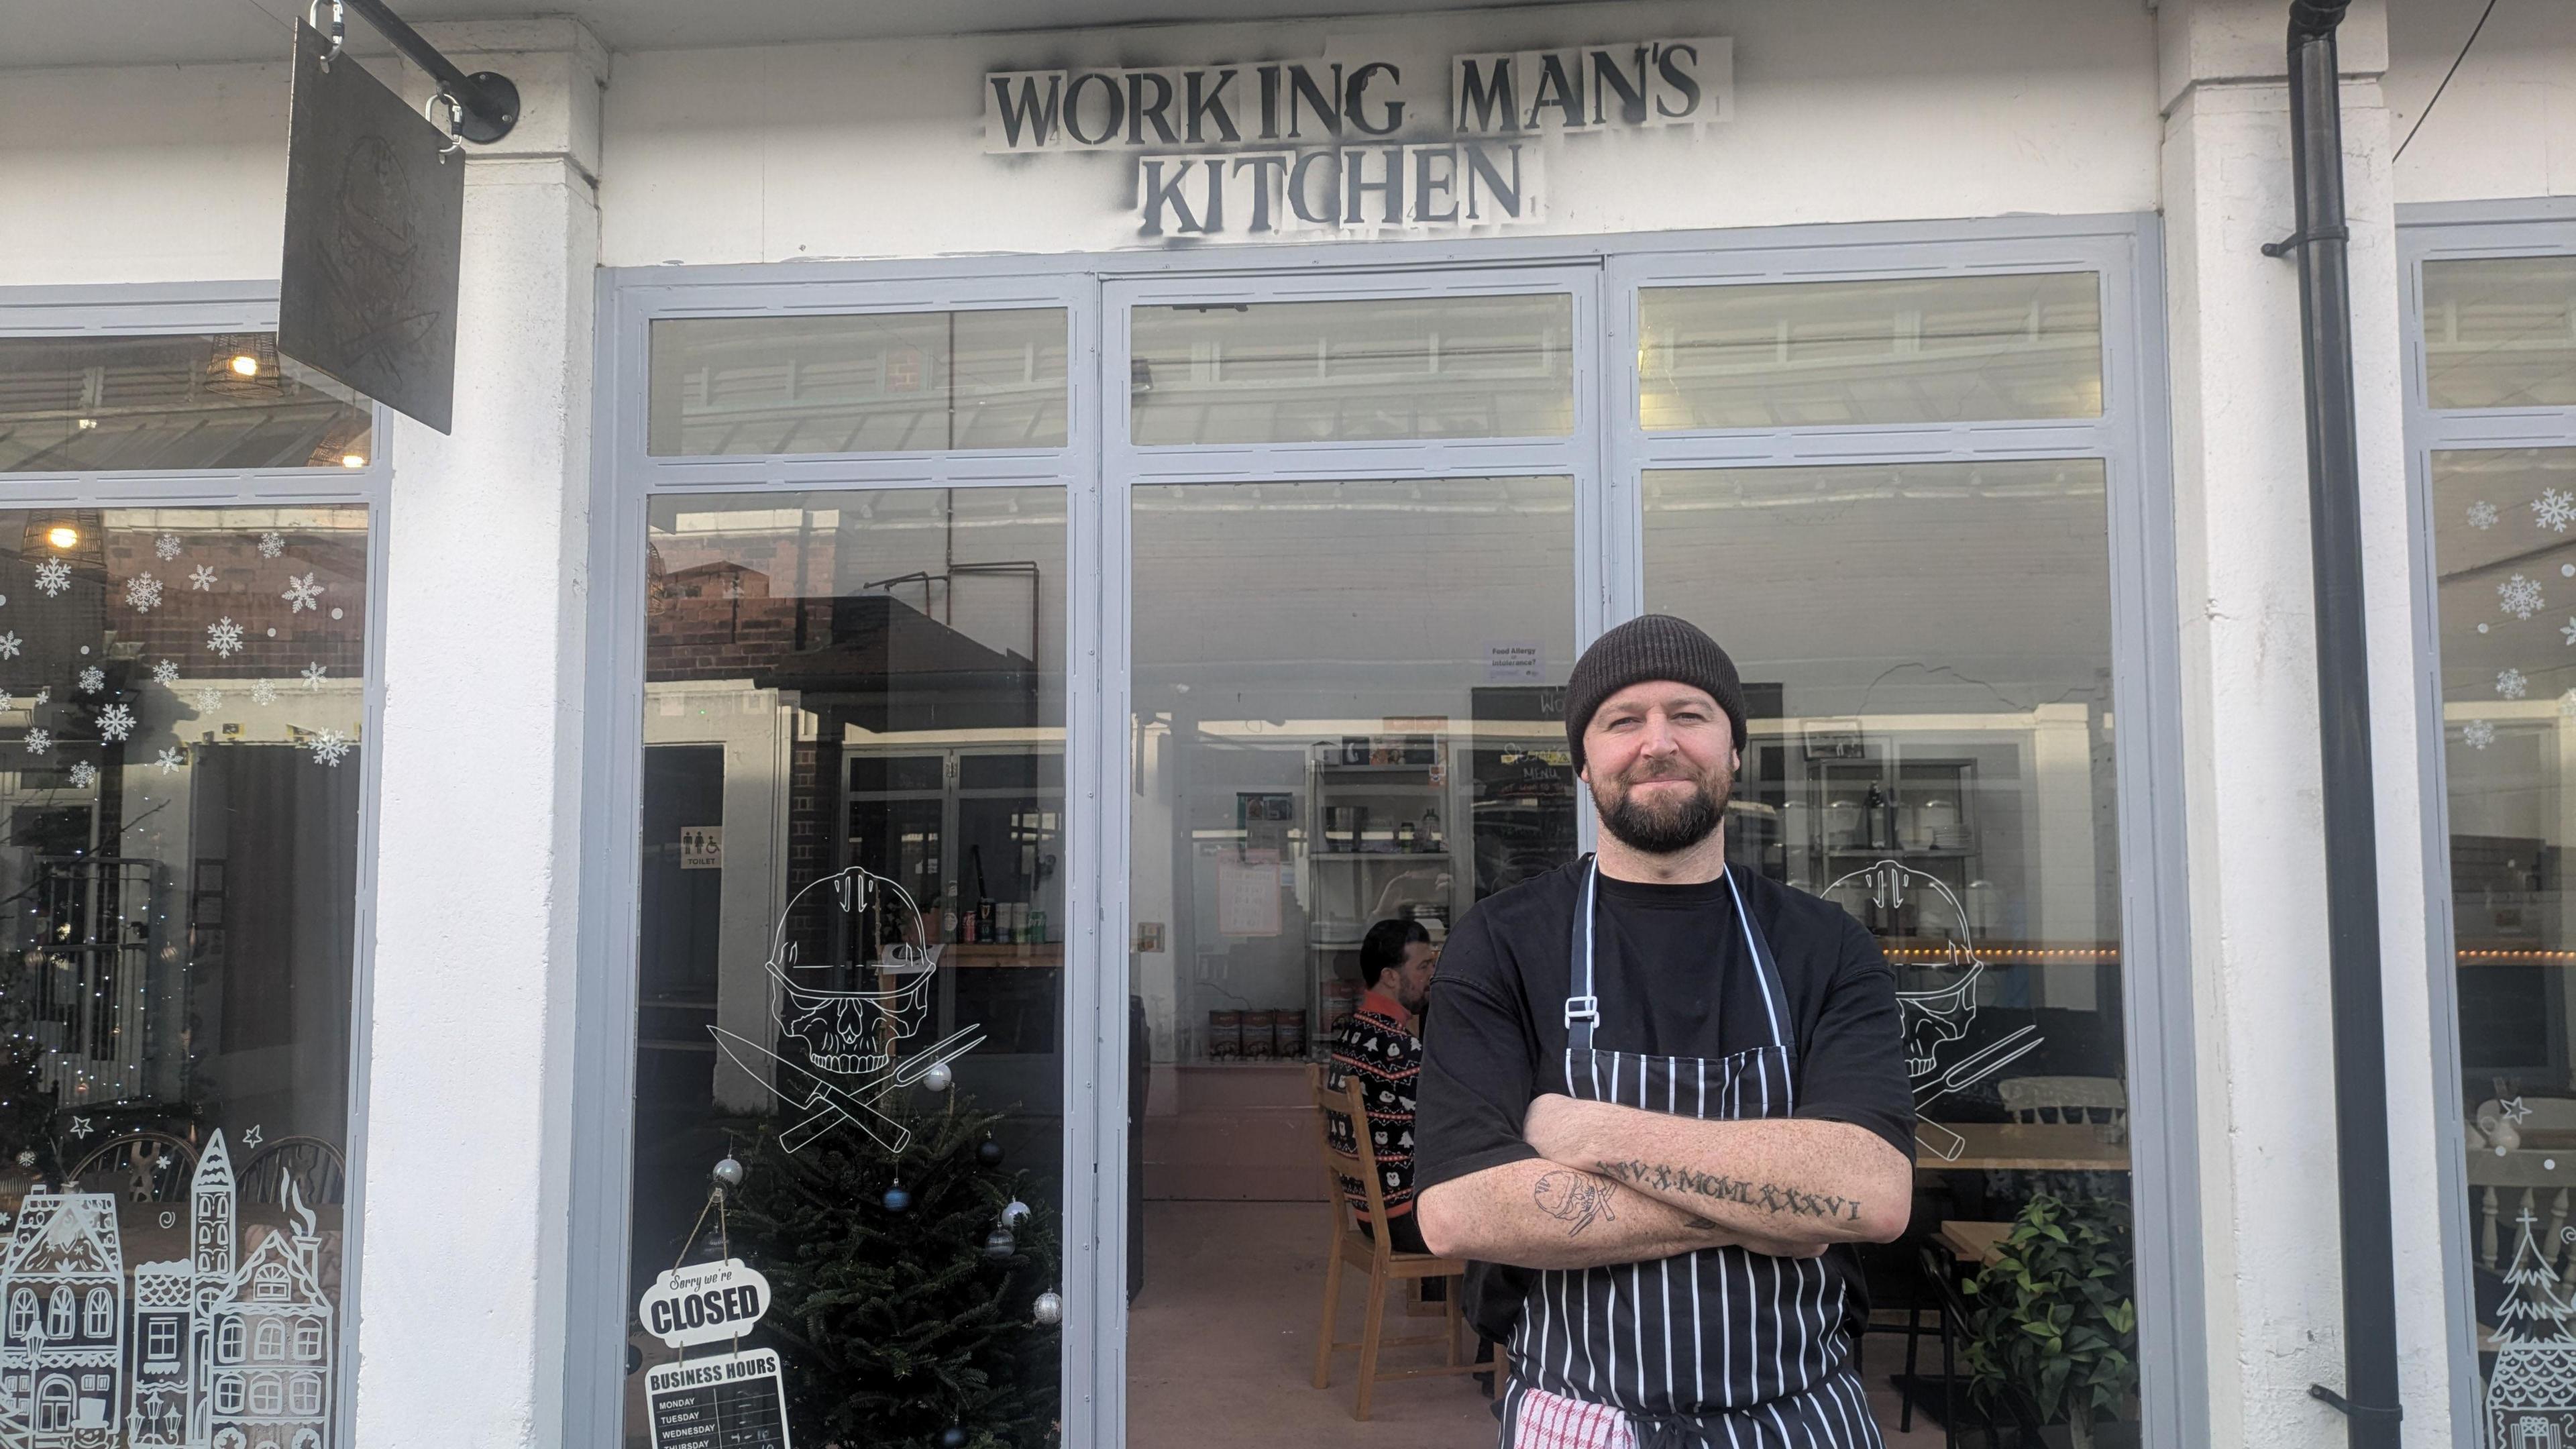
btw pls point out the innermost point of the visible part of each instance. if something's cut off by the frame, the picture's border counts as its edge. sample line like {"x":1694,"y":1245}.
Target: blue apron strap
{"x":1582,"y":1008}
{"x":1775,"y":990}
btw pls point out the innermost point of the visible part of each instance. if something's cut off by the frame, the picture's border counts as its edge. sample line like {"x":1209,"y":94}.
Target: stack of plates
{"x":1336,"y":933}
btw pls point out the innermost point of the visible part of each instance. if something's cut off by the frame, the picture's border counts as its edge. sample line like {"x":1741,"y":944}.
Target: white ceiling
{"x":45,"y":33}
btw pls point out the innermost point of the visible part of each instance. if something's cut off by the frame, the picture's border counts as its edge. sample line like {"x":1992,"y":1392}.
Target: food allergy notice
{"x":732,"y":1401}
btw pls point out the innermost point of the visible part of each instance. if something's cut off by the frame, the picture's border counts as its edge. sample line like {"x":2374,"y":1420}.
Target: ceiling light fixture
{"x":63,"y":535}
{"x":245,"y":364}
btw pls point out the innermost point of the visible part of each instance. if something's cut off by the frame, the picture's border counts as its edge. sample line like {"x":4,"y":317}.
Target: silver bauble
{"x":938,"y":1078}
{"x":1049,"y":1309}
{"x":729,"y":1172}
{"x":1000,"y":1244}
{"x":1015,"y":1214}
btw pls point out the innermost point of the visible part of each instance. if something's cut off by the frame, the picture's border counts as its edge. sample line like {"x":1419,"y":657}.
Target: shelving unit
{"x":1374,"y":831}
{"x":1924,"y":817}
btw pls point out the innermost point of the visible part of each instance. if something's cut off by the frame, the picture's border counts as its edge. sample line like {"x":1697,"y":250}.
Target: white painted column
{"x":460,"y":1300}
{"x":2254,"y":820}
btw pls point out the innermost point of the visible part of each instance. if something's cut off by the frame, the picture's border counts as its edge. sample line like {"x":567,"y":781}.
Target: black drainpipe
{"x":2370,"y":1401}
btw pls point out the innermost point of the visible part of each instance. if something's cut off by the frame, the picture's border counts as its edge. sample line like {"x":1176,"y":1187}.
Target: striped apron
{"x":1720,"y":1347}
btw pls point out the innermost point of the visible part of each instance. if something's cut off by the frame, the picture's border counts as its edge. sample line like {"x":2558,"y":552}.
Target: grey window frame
{"x":2449,"y":232}
{"x":121,"y":310}
{"x":1604,"y":455}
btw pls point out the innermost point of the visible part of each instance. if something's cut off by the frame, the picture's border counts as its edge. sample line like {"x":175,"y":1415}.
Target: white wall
{"x":2506,"y":127}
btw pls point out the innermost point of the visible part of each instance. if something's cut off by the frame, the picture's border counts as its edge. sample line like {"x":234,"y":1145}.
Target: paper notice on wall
{"x":731,"y":1401}
{"x":1513,"y":662}
{"x":1247,"y":893}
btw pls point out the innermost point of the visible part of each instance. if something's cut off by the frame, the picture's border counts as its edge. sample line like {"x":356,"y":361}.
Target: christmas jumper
{"x":1377,"y":1045}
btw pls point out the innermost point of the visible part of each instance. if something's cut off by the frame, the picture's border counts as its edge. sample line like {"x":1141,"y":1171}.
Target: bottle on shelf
{"x":1428,"y":837}
{"x":1873,"y":815}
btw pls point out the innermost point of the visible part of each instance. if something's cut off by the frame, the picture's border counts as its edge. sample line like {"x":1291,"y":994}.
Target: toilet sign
{"x":707,"y":1303}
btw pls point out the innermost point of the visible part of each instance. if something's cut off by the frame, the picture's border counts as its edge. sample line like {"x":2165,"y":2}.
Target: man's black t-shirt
{"x":1674,"y":978}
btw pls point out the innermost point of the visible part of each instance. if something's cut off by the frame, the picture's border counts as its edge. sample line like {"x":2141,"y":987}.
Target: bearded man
{"x":1663,"y":1096}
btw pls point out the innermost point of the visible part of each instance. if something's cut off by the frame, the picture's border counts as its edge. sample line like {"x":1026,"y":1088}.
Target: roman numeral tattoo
{"x":1577,"y":1199}
{"x":1769,"y":1197}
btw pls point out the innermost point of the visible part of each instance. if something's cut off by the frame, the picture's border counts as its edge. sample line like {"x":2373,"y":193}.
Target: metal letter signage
{"x":1275,"y":147}
{"x":375,"y":218}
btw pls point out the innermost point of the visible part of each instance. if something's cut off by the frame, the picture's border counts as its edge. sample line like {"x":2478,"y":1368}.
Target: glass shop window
{"x":182,"y":708}
{"x":1926,"y":650}
{"x":1352,"y":371}
{"x":851,"y":978}
{"x":885,"y":382}
{"x":1838,"y":354}
{"x":2500,"y":332}
{"x":1347,"y":723}
{"x":121,"y":404}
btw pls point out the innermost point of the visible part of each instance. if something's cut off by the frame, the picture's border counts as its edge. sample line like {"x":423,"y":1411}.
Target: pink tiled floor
{"x":1222,"y":1345}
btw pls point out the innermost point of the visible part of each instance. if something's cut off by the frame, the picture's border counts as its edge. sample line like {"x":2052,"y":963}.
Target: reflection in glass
{"x":851,"y":953}
{"x":181,"y":699}
{"x":1338,"y":372}
{"x":2500,"y":332}
{"x":1926,"y":650}
{"x":2506,"y":565}
{"x":1919,"y":350}
{"x":884,"y":382}
{"x":1348,"y":709}
{"x":98,"y":404}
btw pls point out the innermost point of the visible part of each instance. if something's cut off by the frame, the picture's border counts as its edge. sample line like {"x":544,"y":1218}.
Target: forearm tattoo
{"x":1769,"y":1197}
{"x":1576,"y":1199}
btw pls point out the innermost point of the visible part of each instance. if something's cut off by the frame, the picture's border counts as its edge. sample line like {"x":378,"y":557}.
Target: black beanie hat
{"x":1652,"y":646}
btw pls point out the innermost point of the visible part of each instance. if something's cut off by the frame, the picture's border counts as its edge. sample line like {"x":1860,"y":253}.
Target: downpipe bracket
{"x":2298,"y":239}
{"x":2383,"y":1413}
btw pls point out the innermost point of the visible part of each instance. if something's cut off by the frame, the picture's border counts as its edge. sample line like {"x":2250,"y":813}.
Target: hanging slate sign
{"x":732,"y":1401}
{"x":374,"y":220}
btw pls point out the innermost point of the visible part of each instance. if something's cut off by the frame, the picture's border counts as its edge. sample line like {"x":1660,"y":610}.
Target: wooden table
{"x":2018,"y":1146}
{"x":1973,"y":1242}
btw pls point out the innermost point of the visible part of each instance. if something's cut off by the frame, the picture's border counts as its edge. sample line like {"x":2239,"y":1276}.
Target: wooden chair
{"x":321,"y":1179}
{"x":2064,"y":1099}
{"x":140,"y":1167}
{"x":1354,"y":1171}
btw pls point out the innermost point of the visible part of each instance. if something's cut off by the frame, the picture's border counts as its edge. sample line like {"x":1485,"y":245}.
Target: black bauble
{"x":989,"y":1152}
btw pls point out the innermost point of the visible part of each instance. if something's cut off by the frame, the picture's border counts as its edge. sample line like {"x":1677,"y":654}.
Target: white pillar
{"x":2254,"y":819}
{"x":460,"y":1299}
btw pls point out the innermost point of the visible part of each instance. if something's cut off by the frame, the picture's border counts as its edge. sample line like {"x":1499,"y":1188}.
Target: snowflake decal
{"x":329,"y":747}
{"x":168,"y":761}
{"x":2554,"y":509}
{"x":2513,"y":684}
{"x":10,"y":644}
{"x":84,"y":775}
{"x":166,"y":547}
{"x":302,"y":594}
{"x":143,"y":593}
{"x":92,"y":680}
{"x":313,"y":676}
{"x":271,"y":544}
{"x":8,"y":701}
{"x":225,"y":637}
{"x":2519,"y":596}
{"x":2477,"y":734}
{"x":39,"y":741}
{"x":263,"y":691}
{"x":209,"y":699}
{"x":202,"y":579}
{"x":165,"y":673}
{"x":115,"y":722}
{"x":2482,"y":515}
{"x":44,"y":695}
{"x":53,"y":576}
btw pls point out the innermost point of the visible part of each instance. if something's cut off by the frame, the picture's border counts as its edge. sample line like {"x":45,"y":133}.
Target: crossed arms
{"x":1622,"y":1185}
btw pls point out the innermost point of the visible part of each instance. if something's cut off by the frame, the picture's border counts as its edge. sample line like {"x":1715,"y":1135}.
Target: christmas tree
{"x":901,"y":1322}
{"x":2531,"y":1311}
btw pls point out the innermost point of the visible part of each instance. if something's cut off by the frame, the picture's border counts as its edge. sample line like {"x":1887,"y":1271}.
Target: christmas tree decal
{"x":2531,"y":1396}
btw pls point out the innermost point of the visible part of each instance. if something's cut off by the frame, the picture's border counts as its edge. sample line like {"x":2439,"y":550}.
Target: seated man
{"x":1381,"y":1045}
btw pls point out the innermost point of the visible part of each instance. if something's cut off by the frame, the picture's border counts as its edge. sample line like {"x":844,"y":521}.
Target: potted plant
{"x":2053,"y":1320}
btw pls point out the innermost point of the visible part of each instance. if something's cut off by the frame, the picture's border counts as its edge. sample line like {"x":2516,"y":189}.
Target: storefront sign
{"x":375,"y":218}
{"x":707,"y":1303}
{"x":1300,"y":146}
{"x":733,"y":1401}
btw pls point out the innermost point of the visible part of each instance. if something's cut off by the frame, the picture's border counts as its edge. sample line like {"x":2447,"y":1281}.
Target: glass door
{"x":1354,"y":512}
{"x":848,"y":1205}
